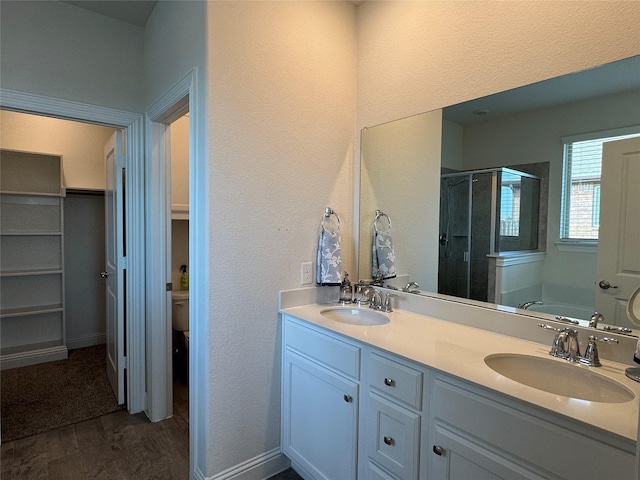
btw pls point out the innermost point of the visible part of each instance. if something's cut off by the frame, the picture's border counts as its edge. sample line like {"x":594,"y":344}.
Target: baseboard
{"x":24,"y":359}
{"x":259,"y":467}
{"x":87,"y":340}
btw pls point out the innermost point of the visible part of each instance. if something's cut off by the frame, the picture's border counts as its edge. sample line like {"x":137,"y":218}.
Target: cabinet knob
{"x":348,"y":398}
{"x":389,"y":382}
{"x":388,"y":440}
{"x":438,"y":450}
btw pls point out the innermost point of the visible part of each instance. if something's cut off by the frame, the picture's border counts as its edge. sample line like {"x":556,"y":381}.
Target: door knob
{"x":104,"y":274}
{"x":603,"y":284}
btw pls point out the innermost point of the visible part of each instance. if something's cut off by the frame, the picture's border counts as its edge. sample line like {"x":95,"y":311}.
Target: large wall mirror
{"x":474,"y":193}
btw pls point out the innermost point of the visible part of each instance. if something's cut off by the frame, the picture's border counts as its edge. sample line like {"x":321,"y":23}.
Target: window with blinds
{"x":582,"y":170}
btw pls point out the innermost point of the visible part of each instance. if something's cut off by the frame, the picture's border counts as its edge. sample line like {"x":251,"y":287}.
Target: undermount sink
{"x":354,"y":316}
{"x":559,"y":377}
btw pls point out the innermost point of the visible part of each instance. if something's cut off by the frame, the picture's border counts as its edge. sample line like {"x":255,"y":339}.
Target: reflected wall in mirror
{"x":407,"y":168}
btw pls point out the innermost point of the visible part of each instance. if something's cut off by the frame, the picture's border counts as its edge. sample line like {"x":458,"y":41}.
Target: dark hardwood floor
{"x":117,"y":446}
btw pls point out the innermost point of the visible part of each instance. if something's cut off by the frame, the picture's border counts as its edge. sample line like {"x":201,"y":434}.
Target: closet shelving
{"x":32,"y":317}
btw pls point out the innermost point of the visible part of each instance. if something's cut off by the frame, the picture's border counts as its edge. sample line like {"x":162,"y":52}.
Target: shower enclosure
{"x":483,"y":213}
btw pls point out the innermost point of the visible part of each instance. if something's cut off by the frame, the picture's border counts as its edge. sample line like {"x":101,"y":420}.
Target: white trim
{"x":577,"y":246}
{"x":615,"y":132}
{"x":159,"y":341}
{"x":164,"y":110}
{"x":517,"y":258}
{"x":87,"y":340}
{"x":259,"y":467}
{"x":134,"y":191}
{"x":33,"y":357}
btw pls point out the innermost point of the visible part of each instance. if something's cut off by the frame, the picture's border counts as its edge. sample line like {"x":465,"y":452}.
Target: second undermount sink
{"x":559,"y":377}
{"x":354,"y":316}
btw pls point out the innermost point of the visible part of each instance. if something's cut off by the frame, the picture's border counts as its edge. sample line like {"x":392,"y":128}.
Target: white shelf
{"x":31,"y":259}
{"x":31,"y":273}
{"x":29,"y":311}
{"x":30,"y":234}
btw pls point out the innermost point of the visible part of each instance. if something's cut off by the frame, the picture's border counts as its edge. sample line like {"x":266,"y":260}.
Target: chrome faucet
{"x":573,"y":346}
{"x":595,"y":319}
{"x":379,"y":302}
{"x":374,"y":298}
{"x":526,"y":305}
{"x":565,"y":345}
{"x":407,"y":288}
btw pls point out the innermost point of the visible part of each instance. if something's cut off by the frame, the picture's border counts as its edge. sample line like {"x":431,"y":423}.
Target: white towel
{"x":329,"y":264}
{"x":383,"y":258}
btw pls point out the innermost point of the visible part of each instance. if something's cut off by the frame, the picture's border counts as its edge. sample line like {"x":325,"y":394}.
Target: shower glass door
{"x":453,"y":264}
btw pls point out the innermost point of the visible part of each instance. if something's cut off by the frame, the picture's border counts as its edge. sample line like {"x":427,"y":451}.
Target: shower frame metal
{"x":494,"y":212}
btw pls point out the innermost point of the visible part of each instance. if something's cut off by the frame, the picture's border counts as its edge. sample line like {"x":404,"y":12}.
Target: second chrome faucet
{"x":566,"y":345}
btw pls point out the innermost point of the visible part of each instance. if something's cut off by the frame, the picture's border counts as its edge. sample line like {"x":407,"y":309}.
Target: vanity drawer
{"x":396,"y":380}
{"x":392,"y":437}
{"x":331,"y":352}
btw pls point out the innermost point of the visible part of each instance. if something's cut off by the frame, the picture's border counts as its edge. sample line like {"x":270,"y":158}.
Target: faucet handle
{"x":546,"y":326}
{"x":387,"y":302}
{"x":591,"y":356}
{"x":560,"y":345}
{"x":560,"y":318}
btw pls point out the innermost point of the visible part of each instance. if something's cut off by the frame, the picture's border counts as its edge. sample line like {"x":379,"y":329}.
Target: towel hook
{"x":327,"y":214}
{"x":379,"y":215}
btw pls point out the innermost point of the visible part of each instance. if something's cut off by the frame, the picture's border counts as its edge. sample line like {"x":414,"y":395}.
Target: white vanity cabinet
{"x":477,"y":434}
{"x":320,"y":395}
{"x":402,"y":420}
{"x":391,"y":418}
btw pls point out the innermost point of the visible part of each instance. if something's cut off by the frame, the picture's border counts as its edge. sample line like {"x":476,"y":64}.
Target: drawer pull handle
{"x":388,"y":440}
{"x":348,"y":398}
{"x":438,"y":450}
{"x":389,"y":382}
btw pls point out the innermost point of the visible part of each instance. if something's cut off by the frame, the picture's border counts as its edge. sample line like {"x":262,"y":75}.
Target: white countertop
{"x":460,"y":350}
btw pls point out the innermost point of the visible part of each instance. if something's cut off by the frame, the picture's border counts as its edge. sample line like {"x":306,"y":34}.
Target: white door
{"x":115,"y":263}
{"x":618,"y":265}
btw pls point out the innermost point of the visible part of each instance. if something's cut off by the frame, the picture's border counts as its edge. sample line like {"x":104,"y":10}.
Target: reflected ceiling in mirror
{"x":522,"y":129}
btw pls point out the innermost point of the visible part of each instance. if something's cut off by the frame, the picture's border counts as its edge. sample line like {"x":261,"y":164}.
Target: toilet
{"x":180,"y":311}
{"x":180,"y":326}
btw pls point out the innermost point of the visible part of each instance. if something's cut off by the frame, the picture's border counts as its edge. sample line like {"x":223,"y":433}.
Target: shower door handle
{"x":465,"y":257}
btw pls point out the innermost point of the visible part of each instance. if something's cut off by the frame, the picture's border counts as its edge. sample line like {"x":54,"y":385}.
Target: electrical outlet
{"x":306,"y":273}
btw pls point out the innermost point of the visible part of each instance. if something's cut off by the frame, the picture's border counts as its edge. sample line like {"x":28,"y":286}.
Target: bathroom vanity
{"x":416,"y":397}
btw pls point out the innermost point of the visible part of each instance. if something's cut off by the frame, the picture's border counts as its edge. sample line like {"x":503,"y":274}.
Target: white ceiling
{"x":604,"y":80}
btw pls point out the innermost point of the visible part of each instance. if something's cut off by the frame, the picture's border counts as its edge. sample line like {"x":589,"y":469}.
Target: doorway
{"x":45,"y":393}
{"x":132,"y":126}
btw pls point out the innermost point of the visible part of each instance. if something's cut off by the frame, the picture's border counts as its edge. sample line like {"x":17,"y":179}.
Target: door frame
{"x":178,"y":100}
{"x":134,"y":191}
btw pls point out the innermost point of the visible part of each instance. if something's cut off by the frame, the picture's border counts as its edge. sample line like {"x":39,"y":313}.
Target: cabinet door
{"x":319,"y":419}
{"x":454,"y":456}
{"x":392,"y":437}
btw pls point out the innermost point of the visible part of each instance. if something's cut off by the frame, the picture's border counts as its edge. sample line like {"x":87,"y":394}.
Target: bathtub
{"x":571,"y":311}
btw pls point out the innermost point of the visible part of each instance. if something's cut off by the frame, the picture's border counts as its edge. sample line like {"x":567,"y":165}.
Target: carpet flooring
{"x":42,"y":397}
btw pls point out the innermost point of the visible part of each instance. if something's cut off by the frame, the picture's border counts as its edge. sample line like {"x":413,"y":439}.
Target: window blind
{"x":580,"y":215}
